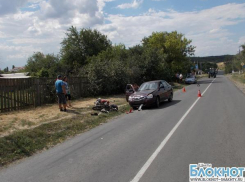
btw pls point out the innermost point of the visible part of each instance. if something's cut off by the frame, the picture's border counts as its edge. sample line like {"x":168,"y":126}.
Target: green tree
{"x":44,"y":65}
{"x":43,"y":73}
{"x":174,"y":49}
{"x":174,"y":45}
{"x":107,"y":72}
{"x":78,"y":46}
{"x":6,"y":70}
{"x":238,"y":59}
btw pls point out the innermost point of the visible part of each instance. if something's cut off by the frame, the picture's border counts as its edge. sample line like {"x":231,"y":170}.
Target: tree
{"x":13,"y":66}
{"x":44,"y":65}
{"x":43,"y":73}
{"x":243,"y":49}
{"x":173,"y":47}
{"x":107,"y":72}
{"x":238,"y":59}
{"x":78,"y":46}
{"x":6,"y":70}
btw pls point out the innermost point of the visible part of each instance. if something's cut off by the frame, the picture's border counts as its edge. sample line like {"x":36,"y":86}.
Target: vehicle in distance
{"x":212,"y":73}
{"x":151,"y":93}
{"x":190,"y":79}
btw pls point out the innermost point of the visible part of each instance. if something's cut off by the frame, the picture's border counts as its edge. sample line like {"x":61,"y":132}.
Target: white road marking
{"x":163,"y":143}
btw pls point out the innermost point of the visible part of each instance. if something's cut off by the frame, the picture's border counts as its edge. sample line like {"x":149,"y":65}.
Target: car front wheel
{"x":170,"y":97}
{"x":157,"y":102}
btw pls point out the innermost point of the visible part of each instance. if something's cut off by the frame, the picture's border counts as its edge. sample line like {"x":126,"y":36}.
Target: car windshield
{"x":149,"y":86}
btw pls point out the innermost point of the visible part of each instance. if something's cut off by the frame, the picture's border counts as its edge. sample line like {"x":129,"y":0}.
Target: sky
{"x":216,"y":27}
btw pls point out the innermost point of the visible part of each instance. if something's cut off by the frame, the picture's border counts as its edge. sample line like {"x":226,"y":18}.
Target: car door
{"x":167,"y":90}
{"x":161,"y":91}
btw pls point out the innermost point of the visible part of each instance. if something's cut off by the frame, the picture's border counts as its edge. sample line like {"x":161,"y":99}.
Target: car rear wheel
{"x":157,"y":102}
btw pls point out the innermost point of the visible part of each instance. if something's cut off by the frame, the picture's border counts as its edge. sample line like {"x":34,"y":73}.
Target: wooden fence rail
{"x":20,"y":93}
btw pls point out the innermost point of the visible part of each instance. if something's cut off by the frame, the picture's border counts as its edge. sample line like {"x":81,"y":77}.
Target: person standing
{"x":61,"y":91}
{"x":68,"y":94}
{"x":177,"y":77}
{"x":180,"y":78}
{"x":136,"y":87}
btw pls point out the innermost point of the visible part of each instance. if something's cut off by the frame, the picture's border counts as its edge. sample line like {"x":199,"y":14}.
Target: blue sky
{"x":216,"y":27}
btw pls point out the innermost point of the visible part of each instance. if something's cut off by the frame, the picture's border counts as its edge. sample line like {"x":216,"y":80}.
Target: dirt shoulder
{"x":31,"y":118}
{"x":238,"y":80}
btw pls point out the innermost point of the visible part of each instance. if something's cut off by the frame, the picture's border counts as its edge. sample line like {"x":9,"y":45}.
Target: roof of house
{"x":14,"y":75}
{"x":16,"y":69}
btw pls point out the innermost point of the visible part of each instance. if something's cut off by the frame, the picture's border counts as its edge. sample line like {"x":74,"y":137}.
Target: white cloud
{"x":44,"y":29}
{"x":22,"y":33}
{"x":102,"y":3}
{"x":214,"y":30}
{"x":66,"y":12}
{"x":135,"y":4}
{"x":206,"y":28}
{"x":10,"y":6}
{"x":33,"y":6}
{"x":13,"y":55}
{"x":241,"y":41}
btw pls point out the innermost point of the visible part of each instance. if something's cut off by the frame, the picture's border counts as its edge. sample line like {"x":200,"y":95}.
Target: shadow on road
{"x":207,"y":82}
{"x":163,"y":105}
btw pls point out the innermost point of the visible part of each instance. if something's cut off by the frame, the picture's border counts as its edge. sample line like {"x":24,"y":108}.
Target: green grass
{"x":239,"y":77}
{"x":10,"y":125}
{"x":178,"y":86}
{"x":25,"y":143}
{"x":26,"y":123}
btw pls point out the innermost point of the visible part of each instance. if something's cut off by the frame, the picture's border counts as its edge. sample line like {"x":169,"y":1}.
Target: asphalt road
{"x":212,"y":131}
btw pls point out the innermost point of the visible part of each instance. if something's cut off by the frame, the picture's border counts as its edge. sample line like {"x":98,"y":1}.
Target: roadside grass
{"x":31,"y":118}
{"x":178,"y":86}
{"x":239,"y":77}
{"x":25,"y":143}
{"x":26,"y":123}
{"x":9,"y":125}
{"x":202,"y":76}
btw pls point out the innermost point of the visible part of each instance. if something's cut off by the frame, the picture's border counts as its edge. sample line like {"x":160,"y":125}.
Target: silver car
{"x":190,"y":79}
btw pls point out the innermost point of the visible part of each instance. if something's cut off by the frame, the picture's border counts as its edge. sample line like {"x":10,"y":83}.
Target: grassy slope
{"x":239,"y":77}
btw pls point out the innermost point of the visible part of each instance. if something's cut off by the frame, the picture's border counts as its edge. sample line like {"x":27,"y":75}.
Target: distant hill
{"x":213,"y":59}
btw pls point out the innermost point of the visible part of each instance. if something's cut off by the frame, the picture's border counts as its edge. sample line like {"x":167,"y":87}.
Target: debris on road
{"x":140,"y":108}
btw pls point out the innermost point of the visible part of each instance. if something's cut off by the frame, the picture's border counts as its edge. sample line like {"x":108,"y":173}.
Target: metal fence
{"x":20,"y":93}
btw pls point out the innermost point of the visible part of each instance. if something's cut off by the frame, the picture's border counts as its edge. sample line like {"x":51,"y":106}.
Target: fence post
{"x":80,"y":87}
{"x":37,"y":93}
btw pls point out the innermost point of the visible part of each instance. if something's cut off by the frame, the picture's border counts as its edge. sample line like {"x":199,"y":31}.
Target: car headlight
{"x":150,"y":96}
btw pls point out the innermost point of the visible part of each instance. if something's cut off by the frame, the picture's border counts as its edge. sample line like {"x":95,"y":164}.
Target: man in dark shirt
{"x":60,"y":91}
